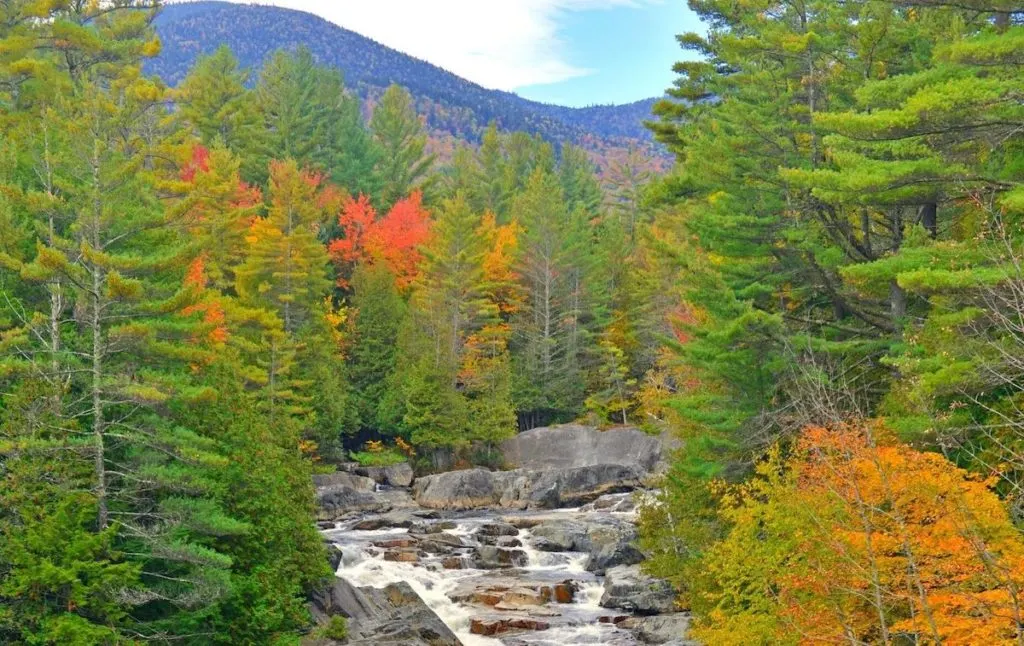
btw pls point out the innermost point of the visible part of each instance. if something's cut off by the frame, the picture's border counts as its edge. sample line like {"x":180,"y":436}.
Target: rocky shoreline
{"x":541,"y":554}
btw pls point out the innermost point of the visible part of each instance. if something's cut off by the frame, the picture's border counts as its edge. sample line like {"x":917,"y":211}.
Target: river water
{"x":363,"y":564}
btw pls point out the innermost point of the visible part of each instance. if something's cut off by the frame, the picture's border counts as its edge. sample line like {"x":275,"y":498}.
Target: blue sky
{"x":628,"y":52}
{"x":570,"y":52}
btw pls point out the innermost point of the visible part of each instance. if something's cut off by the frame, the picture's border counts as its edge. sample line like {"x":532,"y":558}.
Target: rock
{"x":572,"y":445}
{"x":661,"y":629}
{"x":405,"y":620}
{"x":402,"y":556}
{"x":618,"y":503}
{"x":497,"y":529}
{"x":391,"y":616}
{"x":337,"y":501}
{"x":425,"y":527}
{"x":456,"y":563}
{"x":612,"y":544}
{"x":497,"y":626}
{"x":489,"y":557}
{"x":344,"y":479}
{"x":398,"y":519}
{"x":395,"y":475}
{"x":615,"y":620}
{"x":627,"y":588}
{"x":325,"y":524}
{"x":334,"y":555}
{"x":613,"y":555}
{"x":564,"y":592}
{"x":561,"y":535}
{"x":468,"y":489}
{"x":476,"y":488}
{"x":440,"y":543}
{"x":579,"y":485}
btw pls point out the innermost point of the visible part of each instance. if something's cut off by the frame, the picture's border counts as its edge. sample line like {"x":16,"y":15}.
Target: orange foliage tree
{"x":393,"y":240}
{"x":857,"y":540}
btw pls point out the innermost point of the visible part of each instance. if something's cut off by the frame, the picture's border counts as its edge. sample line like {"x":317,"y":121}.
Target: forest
{"x":211,"y":291}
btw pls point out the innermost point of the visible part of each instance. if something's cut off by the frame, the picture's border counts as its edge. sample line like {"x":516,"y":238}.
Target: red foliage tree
{"x":393,"y":240}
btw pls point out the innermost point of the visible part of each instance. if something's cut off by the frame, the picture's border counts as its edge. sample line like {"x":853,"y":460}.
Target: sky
{"x":568,"y":52}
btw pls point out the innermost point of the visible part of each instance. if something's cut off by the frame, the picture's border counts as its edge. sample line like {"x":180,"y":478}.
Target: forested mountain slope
{"x":450,"y":104}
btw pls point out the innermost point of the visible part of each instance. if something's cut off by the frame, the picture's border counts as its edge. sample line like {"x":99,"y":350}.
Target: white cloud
{"x":502,"y":44}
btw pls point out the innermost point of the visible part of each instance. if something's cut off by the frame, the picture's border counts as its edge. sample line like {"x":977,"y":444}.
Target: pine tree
{"x":214,"y":101}
{"x":396,"y":128}
{"x":286,"y":265}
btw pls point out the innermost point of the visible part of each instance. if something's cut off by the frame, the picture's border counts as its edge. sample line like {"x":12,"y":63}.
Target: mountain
{"x":452,"y":106}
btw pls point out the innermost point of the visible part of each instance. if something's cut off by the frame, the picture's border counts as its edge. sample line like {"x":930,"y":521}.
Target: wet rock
{"x":615,"y":620}
{"x":497,"y":626}
{"x":398,"y":519}
{"x":402,"y":556}
{"x":497,"y":529}
{"x":571,"y":445}
{"x":334,"y":554}
{"x":561,"y":535}
{"x":579,"y":485}
{"x":661,"y":629}
{"x":613,"y":543}
{"x":627,"y":588}
{"x":391,"y":616}
{"x":396,"y":542}
{"x":440,"y":543}
{"x":325,"y":524}
{"x":456,"y":563}
{"x":490,"y":557}
{"x":564,"y":592}
{"x":427,"y":527}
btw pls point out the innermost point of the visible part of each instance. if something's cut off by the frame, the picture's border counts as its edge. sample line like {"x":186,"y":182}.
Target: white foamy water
{"x":364,"y":565}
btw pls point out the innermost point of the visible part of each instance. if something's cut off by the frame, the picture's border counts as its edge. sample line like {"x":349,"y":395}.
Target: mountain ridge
{"x":449,"y":103}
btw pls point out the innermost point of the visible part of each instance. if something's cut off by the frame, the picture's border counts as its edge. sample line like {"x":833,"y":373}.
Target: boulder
{"x":572,"y":445}
{"x":498,"y":625}
{"x":489,"y":557}
{"x":334,"y":554}
{"x":561,"y":535}
{"x":613,"y":543}
{"x":627,"y":588}
{"x":661,"y":629}
{"x":468,"y":489}
{"x":343,"y":478}
{"x":476,"y":488}
{"x":394,"y":475}
{"x":390,"y":616}
{"x":497,"y":529}
{"x":338,"y":501}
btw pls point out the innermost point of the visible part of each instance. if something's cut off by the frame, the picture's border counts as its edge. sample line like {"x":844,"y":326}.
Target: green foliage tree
{"x":399,"y":135}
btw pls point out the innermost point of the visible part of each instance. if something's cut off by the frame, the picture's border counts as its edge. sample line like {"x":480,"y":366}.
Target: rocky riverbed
{"x":541,"y":555}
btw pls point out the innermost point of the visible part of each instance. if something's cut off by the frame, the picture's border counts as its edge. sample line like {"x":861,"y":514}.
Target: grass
{"x":384,"y":458}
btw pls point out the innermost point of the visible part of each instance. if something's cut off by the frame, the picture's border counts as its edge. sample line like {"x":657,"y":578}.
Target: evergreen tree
{"x":215,"y":103}
{"x":285,"y":266}
{"x":399,"y":135}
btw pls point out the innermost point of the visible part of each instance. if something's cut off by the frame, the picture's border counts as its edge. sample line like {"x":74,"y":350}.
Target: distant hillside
{"x":451,"y":105}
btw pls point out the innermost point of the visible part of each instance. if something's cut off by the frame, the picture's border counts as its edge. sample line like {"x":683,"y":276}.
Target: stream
{"x":366,"y":562}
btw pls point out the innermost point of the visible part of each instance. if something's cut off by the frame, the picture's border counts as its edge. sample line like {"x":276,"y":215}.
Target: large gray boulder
{"x":468,"y":489}
{"x":572,"y":445}
{"x":390,"y":616}
{"x":627,"y":588}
